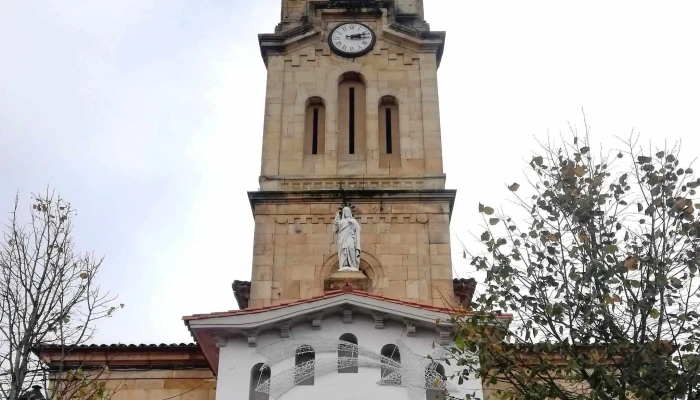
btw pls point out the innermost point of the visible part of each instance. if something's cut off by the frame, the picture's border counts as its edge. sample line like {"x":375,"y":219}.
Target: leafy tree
{"x":49,"y":296}
{"x":600,"y":273}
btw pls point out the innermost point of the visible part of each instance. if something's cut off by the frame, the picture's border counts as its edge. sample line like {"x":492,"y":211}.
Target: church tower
{"x":351,"y":119}
{"x":352,"y":290}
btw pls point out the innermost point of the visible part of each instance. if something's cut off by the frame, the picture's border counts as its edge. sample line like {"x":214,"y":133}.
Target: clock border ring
{"x":352,"y":55}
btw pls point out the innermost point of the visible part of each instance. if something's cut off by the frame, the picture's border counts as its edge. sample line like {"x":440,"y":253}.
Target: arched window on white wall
{"x":434,"y":379}
{"x":259,"y":374}
{"x":390,"y":353}
{"x":348,"y":352}
{"x":305,"y":365}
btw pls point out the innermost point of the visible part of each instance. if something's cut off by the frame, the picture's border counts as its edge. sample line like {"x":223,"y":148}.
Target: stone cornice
{"x":279,"y":43}
{"x":354,"y":196}
{"x":427,"y":40}
{"x":283,"y":42}
{"x":124,"y":357}
{"x":377,"y":182}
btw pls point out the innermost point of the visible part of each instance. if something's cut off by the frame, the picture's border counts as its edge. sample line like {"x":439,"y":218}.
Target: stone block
{"x":309,"y":289}
{"x":262,"y":273}
{"x":396,"y":272}
{"x":409,"y":238}
{"x":296,"y":238}
{"x":262,"y":239}
{"x":291,"y":290}
{"x":323,"y":229}
{"x":260,"y":289}
{"x":265,"y":209}
{"x":396,"y":238}
{"x":410,"y":260}
{"x":390,"y":259}
{"x":424,"y":291}
{"x":303,"y":272}
{"x":440,"y":260}
{"x":160,"y":394}
{"x":265,"y":226}
{"x":263,"y":260}
{"x":321,"y":209}
{"x":294,"y":209}
{"x":194,"y":385}
{"x":442,"y":288}
{"x":439,"y":227}
{"x":439,"y":238}
{"x":412,"y":289}
{"x":281,"y":229}
{"x":444,"y":249}
{"x":441,"y":272}
{"x":396,"y":289}
{"x":412,"y":273}
{"x":147,"y":383}
{"x":318,"y":238}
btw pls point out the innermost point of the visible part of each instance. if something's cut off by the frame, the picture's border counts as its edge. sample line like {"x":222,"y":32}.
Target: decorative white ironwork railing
{"x":415,"y":373}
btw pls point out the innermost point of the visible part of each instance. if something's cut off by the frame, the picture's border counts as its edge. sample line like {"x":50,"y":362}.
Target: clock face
{"x":352,"y":39}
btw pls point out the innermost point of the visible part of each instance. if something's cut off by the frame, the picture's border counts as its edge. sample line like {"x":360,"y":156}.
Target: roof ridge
{"x":327,"y":295}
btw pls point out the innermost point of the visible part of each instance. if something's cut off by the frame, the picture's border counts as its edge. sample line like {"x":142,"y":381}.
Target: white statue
{"x":347,"y":231}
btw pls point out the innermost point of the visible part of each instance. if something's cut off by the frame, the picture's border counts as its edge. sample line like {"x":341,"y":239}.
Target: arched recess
{"x":389,"y":132}
{"x":349,"y":353}
{"x":389,"y":352}
{"x":304,"y":362}
{"x":259,"y":374}
{"x":430,"y":393}
{"x":315,"y":126}
{"x":369,"y":266}
{"x":352,"y":117}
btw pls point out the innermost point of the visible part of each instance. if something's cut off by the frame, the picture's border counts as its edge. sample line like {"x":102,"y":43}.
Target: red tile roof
{"x":327,"y":295}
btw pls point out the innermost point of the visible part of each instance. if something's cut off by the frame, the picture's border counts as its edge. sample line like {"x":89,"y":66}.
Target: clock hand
{"x":356,"y":36}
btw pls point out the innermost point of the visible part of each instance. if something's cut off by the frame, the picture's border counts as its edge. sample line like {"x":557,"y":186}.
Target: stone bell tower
{"x":352,"y":119}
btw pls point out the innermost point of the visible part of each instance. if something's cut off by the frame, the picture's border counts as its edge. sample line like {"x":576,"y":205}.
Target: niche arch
{"x":369,"y":267}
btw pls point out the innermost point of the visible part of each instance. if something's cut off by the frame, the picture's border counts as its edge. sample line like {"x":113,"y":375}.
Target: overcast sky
{"x":147,"y":115}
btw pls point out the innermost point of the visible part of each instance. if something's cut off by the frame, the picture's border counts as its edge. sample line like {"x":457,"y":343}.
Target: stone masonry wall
{"x":389,"y":70}
{"x":184,"y":384}
{"x":410,"y":241}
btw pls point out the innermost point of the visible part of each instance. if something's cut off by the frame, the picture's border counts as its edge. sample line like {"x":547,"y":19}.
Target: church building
{"x":352,"y":285}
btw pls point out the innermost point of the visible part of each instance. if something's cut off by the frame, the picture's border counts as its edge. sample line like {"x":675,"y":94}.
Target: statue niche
{"x":347,"y":231}
{"x":347,"y":271}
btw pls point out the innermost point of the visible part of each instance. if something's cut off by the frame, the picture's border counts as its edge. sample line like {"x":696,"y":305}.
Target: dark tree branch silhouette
{"x":49,"y":295}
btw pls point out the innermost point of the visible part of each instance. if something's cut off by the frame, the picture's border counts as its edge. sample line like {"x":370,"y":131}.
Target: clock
{"x":352,"y":39}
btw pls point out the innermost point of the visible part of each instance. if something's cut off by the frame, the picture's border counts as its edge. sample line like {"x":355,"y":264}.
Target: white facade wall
{"x":237,"y":359}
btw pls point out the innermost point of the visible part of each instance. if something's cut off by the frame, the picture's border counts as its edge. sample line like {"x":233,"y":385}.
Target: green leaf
{"x":643,"y":159}
{"x":611,"y":248}
{"x":660,"y":154}
{"x":676,"y":283}
{"x":514,"y":187}
{"x":585,"y":150}
{"x":485,"y":237}
{"x":494,"y":221}
{"x":485,"y":209}
{"x":654,"y":313}
{"x":635,"y":284}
